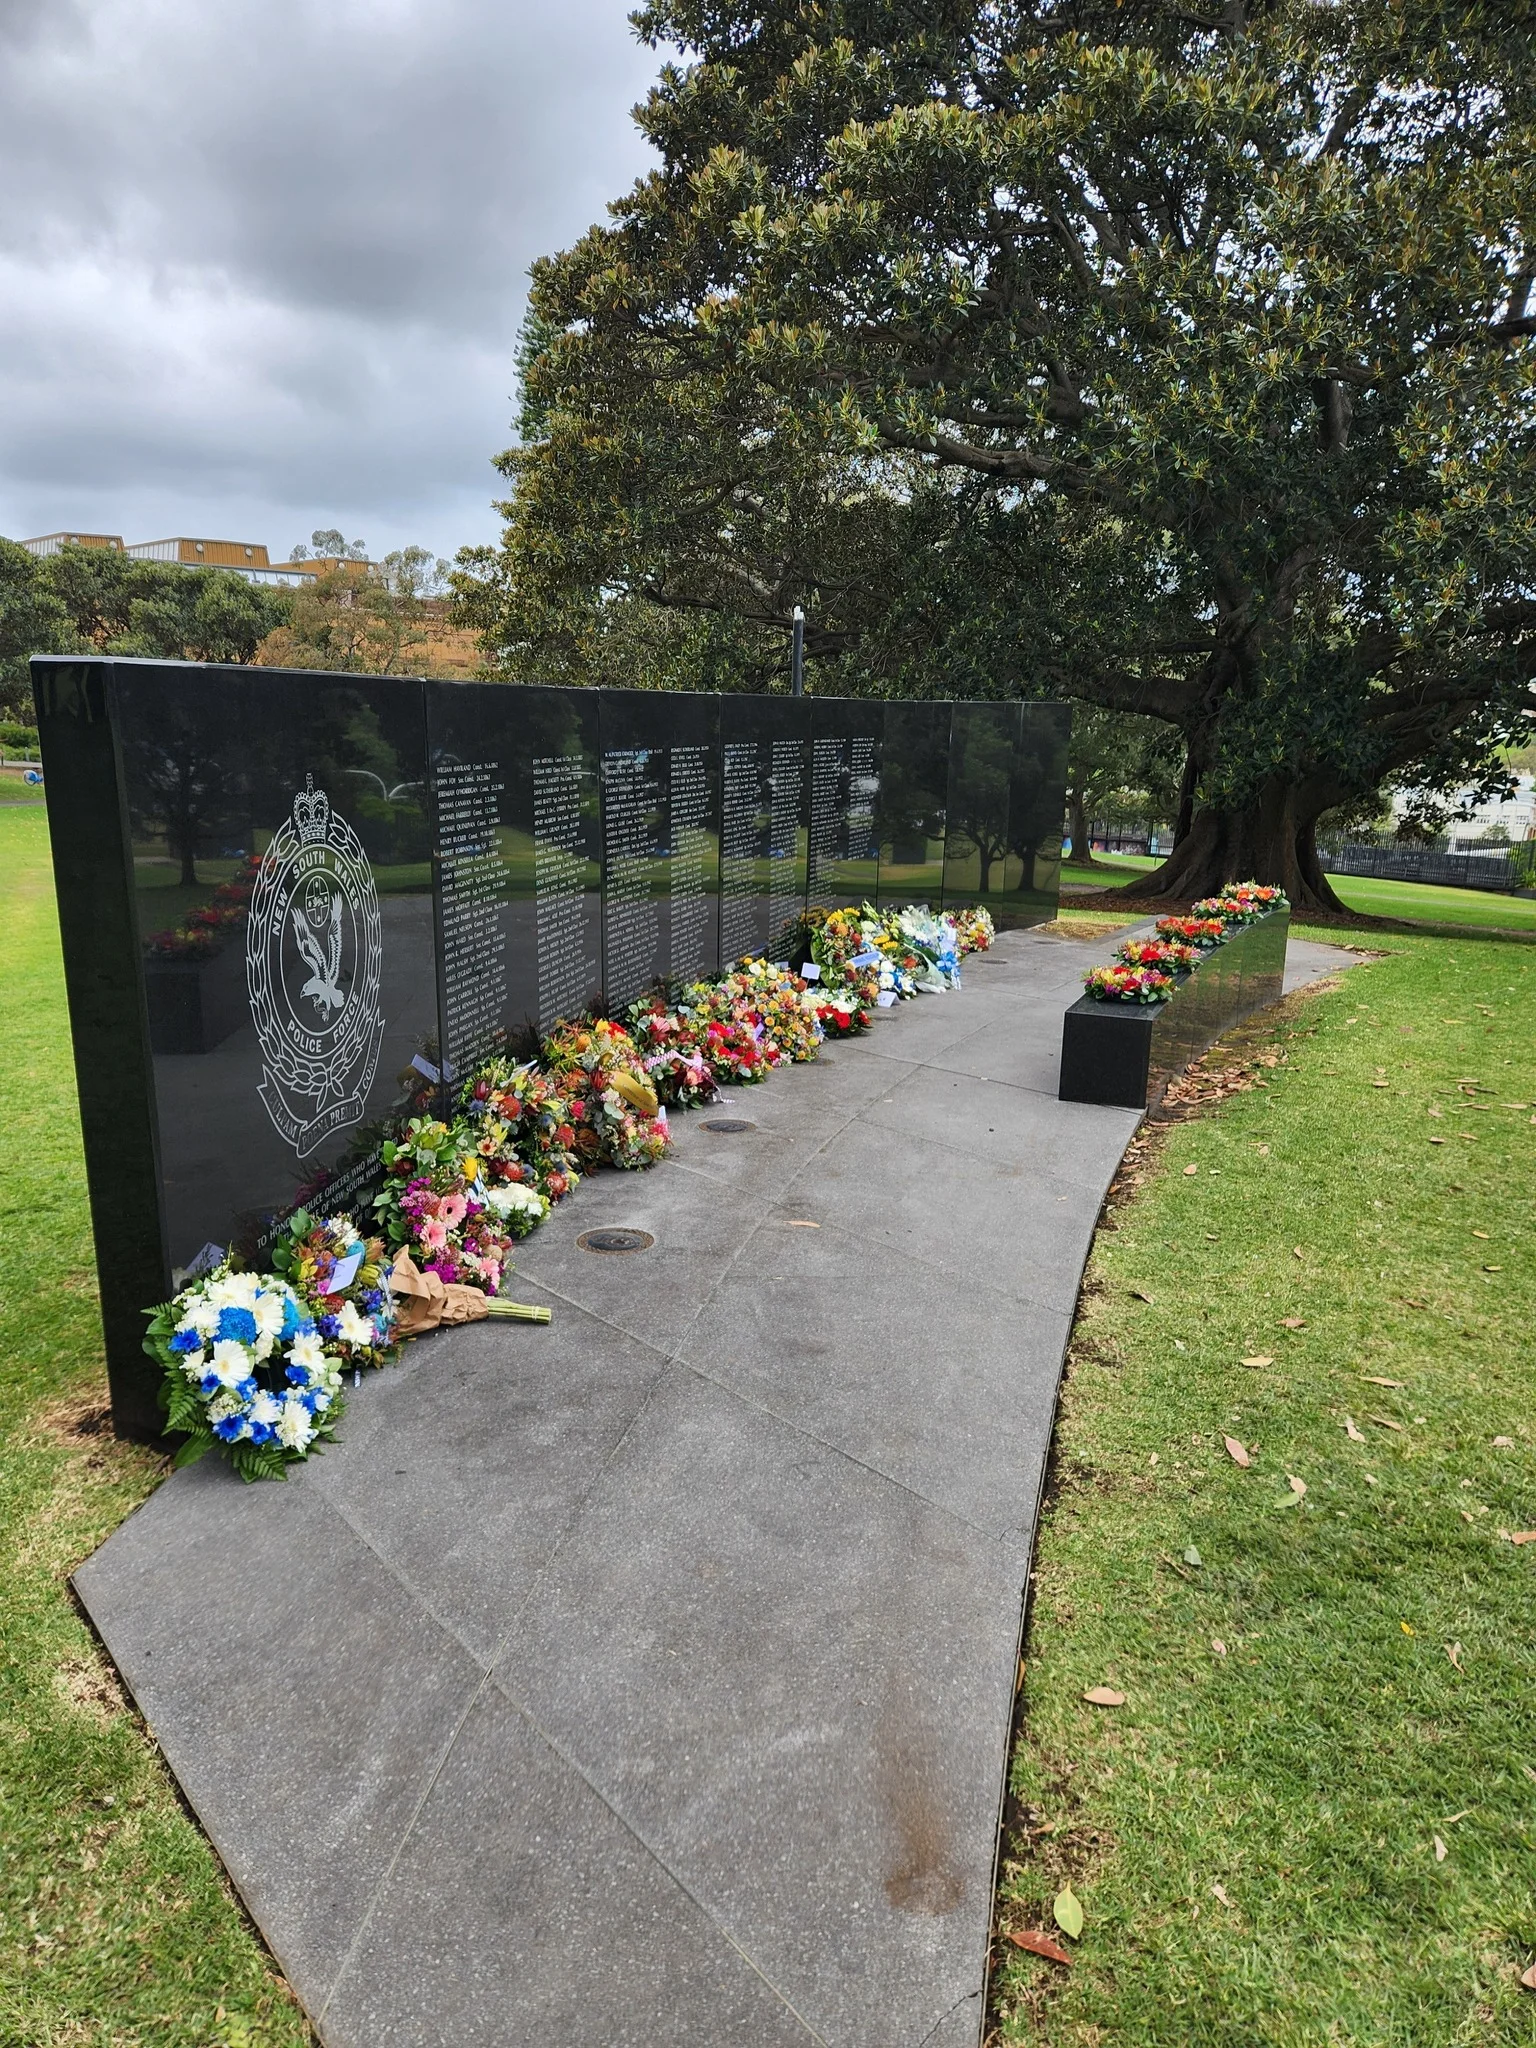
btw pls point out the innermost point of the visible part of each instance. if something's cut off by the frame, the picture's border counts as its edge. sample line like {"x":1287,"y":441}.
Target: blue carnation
{"x":373,"y":1300}
{"x":292,"y":1315}
{"x":298,"y":1375}
{"x":262,"y":1432}
{"x":186,"y":1340}
{"x":330,"y":1326}
{"x":209,"y":1383}
{"x":305,"y":1327}
{"x":237,"y":1324}
{"x":245,"y":1389}
{"x":310,"y":1399}
{"x":230,"y":1429}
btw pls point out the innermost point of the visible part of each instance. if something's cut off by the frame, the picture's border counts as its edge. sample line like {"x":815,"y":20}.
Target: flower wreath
{"x":247,"y":1369}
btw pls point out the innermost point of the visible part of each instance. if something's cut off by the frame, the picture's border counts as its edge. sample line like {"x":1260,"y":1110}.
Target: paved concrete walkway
{"x":645,"y":1681}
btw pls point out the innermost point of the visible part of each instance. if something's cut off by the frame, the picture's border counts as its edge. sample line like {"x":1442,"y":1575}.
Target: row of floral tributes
{"x":255,"y":1363}
{"x":1147,"y":970}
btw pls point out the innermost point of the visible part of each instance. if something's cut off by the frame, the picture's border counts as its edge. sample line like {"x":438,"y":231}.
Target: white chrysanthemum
{"x":265,"y":1407}
{"x":193,"y":1363}
{"x":308,"y":1351}
{"x":202,"y":1316}
{"x":222,"y":1406}
{"x":234,"y":1290}
{"x":268,"y":1310}
{"x":231,"y":1361}
{"x":295,"y":1430}
{"x":352,"y":1327}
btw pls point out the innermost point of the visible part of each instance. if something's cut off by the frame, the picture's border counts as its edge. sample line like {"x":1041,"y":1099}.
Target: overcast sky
{"x":261,"y":269}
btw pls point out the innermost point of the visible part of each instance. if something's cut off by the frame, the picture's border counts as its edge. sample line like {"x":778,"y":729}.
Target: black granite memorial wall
{"x":913,"y":802}
{"x":290,"y":901}
{"x":765,"y":787}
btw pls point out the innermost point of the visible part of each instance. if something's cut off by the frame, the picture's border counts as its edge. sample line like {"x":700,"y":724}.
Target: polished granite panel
{"x":1035,"y":806}
{"x":914,"y":794}
{"x":979,"y":866}
{"x":582,"y":1935}
{"x":794,"y":1682}
{"x":661,"y":839}
{"x":765,"y":781}
{"x":516,"y":782}
{"x":846,"y":735}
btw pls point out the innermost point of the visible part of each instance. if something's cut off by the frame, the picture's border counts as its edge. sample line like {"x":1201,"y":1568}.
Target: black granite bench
{"x":1127,"y":1053}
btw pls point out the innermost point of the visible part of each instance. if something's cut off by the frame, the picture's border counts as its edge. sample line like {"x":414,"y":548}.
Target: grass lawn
{"x":1421,"y":904}
{"x":116,"y":1924}
{"x":1109,"y":870}
{"x":1312,"y":1823}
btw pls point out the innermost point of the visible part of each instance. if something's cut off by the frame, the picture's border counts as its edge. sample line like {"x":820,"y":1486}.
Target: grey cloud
{"x":268,"y":265}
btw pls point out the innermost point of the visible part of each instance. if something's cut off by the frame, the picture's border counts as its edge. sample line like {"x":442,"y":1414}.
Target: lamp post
{"x":797,"y":654}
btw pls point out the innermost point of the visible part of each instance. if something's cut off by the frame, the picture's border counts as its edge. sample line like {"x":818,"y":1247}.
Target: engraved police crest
{"x":314,"y":952}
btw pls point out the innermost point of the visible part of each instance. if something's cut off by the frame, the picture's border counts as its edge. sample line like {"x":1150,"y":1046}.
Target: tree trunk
{"x":1271,"y":840}
{"x":1077,"y":826}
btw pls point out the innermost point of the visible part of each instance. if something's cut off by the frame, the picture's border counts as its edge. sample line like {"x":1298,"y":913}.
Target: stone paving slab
{"x":644,"y":1681}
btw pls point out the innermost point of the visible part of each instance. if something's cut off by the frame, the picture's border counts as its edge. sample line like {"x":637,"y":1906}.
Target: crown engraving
{"x":311,"y":812}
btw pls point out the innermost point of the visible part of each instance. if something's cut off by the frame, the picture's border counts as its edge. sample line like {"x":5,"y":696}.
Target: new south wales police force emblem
{"x":314,"y":956}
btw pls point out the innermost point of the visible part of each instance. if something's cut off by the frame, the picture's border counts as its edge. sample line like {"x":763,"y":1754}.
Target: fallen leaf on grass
{"x":1374,"y":1380}
{"x":1504,"y":1443}
{"x":1219,"y":1892}
{"x":1480,"y":1233}
{"x":1529,"y":1773}
{"x":1189,"y":1170}
{"x":1293,"y":1322}
{"x":1262,"y":1359}
{"x":1068,"y":1912}
{"x":1192,"y":1556}
{"x":1439,"y":1850}
{"x":1528,"y":1977}
{"x":1451,"y":1819}
{"x":1407,"y":1628}
{"x":1356,"y":1436}
{"x":1236,"y":1452}
{"x":1297,"y":1486}
{"x":1296,"y":1252}
{"x":1042,"y":1945}
{"x":1137,"y":1295}
{"x":1437,"y":1141}
{"x":1104,"y":1696}
{"x":1386,"y":1422}
{"x":1453,"y":1651}
{"x":1523,"y":1536}
{"x":1218,"y":1646}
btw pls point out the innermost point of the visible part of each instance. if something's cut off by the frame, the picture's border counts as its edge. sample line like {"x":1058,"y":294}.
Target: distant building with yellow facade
{"x":243,"y":558}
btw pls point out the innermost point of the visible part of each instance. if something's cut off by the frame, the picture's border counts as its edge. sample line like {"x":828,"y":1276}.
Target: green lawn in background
{"x":116,"y":1924}
{"x":1419,"y":903}
{"x":1312,"y":1823}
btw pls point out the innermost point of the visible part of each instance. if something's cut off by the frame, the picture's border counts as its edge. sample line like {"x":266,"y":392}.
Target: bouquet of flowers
{"x":246,"y":1368}
{"x":340,"y":1277}
{"x":202,"y":932}
{"x":674,"y":1058}
{"x":1122,"y":984}
{"x":1202,"y":932}
{"x":836,"y":941}
{"x":616,"y":1112}
{"x":920,"y":944}
{"x":782,"y":1003}
{"x":438,"y":1203}
{"x":526,"y":1127}
{"x":1247,"y":902}
{"x":841,"y":1015}
{"x":1169,"y":955}
{"x":974,"y":929}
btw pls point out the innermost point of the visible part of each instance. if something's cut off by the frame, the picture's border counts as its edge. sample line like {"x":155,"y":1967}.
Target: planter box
{"x":195,"y":1005}
{"x":1125,"y":1054}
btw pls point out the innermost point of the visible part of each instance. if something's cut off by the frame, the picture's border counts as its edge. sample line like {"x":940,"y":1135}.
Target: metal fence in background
{"x":1490,"y":868}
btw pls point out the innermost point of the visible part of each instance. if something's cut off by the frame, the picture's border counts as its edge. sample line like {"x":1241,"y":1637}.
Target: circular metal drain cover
{"x":727,"y":1126}
{"x":615,"y":1240}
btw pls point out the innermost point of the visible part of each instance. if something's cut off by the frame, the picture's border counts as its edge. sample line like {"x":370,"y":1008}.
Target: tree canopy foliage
{"x":1178,"y":359}
{"x":100,"y":601}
